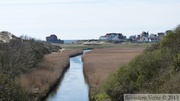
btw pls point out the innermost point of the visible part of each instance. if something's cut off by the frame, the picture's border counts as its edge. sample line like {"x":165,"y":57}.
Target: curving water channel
{"x":73,"y":86}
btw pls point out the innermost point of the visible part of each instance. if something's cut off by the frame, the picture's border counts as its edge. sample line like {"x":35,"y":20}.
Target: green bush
{"x":154,"y":71}
{"x":100,"y":97}
{"x":176,"y":62}
{"x":172,"y":40}
{"x":154,"y":46}
{"x":116,"y":85}
{"x":10,"y":91}
{"x":133,"y":77}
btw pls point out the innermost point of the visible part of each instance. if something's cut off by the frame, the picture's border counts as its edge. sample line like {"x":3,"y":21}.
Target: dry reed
{"x":100,"y":63}
{"x":38,"y":81}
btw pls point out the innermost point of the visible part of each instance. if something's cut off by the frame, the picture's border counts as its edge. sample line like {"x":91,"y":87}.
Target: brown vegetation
{"x":19,"y":56}
{"x":100,"y":63}
{"x":39,"y":81}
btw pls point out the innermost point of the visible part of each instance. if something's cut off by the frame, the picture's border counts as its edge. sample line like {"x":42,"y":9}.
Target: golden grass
{"x":38,"y":81}
{"x":100,"y":63}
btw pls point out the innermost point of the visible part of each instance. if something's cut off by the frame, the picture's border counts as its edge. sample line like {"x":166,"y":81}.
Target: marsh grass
{"x":39,"y":81}
{"x":105,"y":45}
{"x":100,"y":63}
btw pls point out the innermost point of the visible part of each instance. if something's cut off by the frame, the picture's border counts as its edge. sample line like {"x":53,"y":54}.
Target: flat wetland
{"x":104,"y":59}
{"x":105,"y":45}
{"x":100,"y":63}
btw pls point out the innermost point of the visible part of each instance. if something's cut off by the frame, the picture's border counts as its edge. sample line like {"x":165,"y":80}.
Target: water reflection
{"x":73,"y":86}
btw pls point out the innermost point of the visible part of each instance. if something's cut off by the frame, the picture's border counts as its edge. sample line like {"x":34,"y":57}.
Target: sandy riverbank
{"x":100,"y":63}
{"x":40,"y":80}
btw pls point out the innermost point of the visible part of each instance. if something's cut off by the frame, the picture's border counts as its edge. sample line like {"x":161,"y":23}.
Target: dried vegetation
{"x":40,"y":80}
{"x":100,"y":63}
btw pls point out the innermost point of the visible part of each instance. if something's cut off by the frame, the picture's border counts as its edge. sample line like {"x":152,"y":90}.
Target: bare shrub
{"x":19,"y":57}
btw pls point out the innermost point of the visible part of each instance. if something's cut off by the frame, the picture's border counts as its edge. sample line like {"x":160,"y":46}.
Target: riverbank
{"x":100,"y":63}
{"x":72,"y":86}
{"x":39,"y":81}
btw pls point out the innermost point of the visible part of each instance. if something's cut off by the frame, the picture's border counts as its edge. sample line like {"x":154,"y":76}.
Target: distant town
{"x":116,"y":38}
{"x":6,"y":36}
{"x":143,"y":37}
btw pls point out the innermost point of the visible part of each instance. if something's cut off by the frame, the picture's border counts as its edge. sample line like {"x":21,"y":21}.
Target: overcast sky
{"x":87,"y":19}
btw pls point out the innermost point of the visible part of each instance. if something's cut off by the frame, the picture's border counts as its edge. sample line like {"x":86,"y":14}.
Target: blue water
{"x":69,"y":41}
{"x":73,"y":86}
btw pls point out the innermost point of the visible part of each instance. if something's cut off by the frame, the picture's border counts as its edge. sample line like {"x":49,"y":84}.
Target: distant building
{"x":132,"y":38}
{"x":153,"y":38}
{"x":118,"y":37}
{"x":53,"y":39}
{"x":143,"y":37}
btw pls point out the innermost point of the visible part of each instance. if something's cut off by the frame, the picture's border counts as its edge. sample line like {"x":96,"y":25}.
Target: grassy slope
{"x":154,"y":71}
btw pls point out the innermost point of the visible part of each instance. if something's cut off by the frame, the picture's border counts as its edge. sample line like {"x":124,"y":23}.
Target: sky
{"x":87,"y":19}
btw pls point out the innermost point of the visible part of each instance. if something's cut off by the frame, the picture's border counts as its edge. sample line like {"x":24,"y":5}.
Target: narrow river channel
{"x":73,"y":86}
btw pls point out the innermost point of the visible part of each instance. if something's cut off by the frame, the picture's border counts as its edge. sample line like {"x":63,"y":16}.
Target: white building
{"x":113,"y":37}
{"x":143,"y":37}
{"x":153,"y":38}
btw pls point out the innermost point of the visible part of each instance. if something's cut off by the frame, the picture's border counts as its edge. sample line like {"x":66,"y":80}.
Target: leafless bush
{"x":19,"y":55}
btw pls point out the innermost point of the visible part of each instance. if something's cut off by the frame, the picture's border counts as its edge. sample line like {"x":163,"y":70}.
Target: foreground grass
{"x":39,"y":81}
{"x":100,"y":63}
